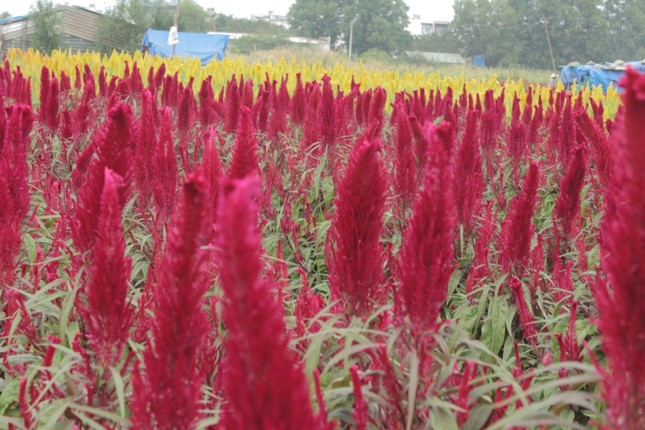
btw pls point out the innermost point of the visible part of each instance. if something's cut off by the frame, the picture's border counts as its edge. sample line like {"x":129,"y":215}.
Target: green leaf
{"x":412,"y":387}
{"x":494,"y":330}
{"x":120,"y":390}
{"x":455,"y":278}
{"x":478,"y":417}
{"x":443,"y":419}
{"x":30,"y":246}
{"x":9,"y":395}
{"x":68,"y":304}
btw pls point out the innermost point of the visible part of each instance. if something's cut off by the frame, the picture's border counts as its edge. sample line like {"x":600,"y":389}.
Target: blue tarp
{"x":206,"y":47}
{"x":604,"y":75}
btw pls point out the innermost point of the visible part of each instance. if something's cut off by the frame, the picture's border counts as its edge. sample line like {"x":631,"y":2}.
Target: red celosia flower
{"x":468,"y":176}
{"x":212,"y":170}
{"x":14,"y":192}
{"x":298,"y":102}
{"x":326,"y":113}
{"x":246,"y":92}
{"x":569,"y":348}
{"x":310,"y":129}
{"x":164,"y":169}
{"x":561,"y":276}
{"x":527,"y":321}
{"x":206,"y":102}
{"x":404,"y":162}
{"x":360,"y":407}
{"x":516,"y":136}
{"x":354,"y":255}
{"x":167,"y":394}
{"x":465,"y":387}
{"x":568,"y":343}
{"x":600,"y":144}
{"x":84,"y":114}
{"x":232,"y":106}
{"x":263,"y":379}
{"x":113,"y":147}
{"x":108,"y":314}
{"x":376,"y":107}
{"x":427,"y":257}
{"x":245,"y":156}
{"x":481,"y":266}
{"x":517,"y":229}
{"x":52,"y":108}
{"x":145,"y":149}
{"x":186,"y":110}
{"x":621,"y":298}
{"x":566,"y":132}
{"x":567,"y":206}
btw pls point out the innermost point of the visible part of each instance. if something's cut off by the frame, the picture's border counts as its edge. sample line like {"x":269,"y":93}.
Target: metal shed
{"x":77,"y":24}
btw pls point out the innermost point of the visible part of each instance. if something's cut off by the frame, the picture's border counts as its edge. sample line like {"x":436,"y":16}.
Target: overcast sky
{"x":430,"y":10}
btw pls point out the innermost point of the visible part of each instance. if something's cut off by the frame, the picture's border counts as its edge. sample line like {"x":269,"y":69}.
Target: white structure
{"x":438,"y":57}
{"x":414,"y":27}
{"x":433,"y":27}
{"x":271,"y":17}
{"x":322,"y":43}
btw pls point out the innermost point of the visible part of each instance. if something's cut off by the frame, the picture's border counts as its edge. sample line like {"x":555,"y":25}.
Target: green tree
{"x":5,"y":14}
{"x":123,"y":25}
{"x":515,"y":31}
{"x":193,"y":18}
{"x":443,"y":41}
{"x":502,"y":48}
{"x":625,"y":21}
{"x":487,"y":27}
{"x":379,"y":24}
{"x":228,"y":23}
{"x":47,"y":35}
{"x":319,"y":18}
{"x":577,"y":30}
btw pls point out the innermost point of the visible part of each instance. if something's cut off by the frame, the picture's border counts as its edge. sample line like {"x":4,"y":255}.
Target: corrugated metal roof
{"x":77,"y":24}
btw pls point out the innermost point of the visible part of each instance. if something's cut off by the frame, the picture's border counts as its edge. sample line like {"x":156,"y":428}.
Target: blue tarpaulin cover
{"x":206,"y":47}
{"x":604,"y":75}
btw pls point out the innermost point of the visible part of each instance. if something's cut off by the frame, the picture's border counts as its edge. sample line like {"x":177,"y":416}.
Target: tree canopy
{"x":123,"y":25}
{"x":47,"y":36}
{"x":228,"y":23}
{"x":515,"y":31}
{"x":378,"y":24}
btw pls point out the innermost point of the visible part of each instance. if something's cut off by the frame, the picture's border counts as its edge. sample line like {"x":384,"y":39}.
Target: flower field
{"x":292,"y":246}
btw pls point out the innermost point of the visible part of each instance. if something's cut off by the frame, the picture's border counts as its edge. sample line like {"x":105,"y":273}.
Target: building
{"x":78,"y":26}
{"x":434,"y":27}
{"x":418,"y":26}
{"x":280,"y":20}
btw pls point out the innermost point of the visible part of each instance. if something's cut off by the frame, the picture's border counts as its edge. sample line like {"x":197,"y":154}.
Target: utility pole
{"x":548,"y":40}
{"x":351,"y":36}
{"x":175,"y":23}
{"x":176,"y":13}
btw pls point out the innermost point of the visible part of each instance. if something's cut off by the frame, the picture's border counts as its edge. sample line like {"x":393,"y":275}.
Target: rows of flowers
{"x":282,"y":247}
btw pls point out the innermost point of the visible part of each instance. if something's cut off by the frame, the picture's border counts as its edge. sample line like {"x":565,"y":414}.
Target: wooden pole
{"x":175,"y":23}
{"x":351,"y":37}
{"x":176,"y":13}
{"x":548,"y":40}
